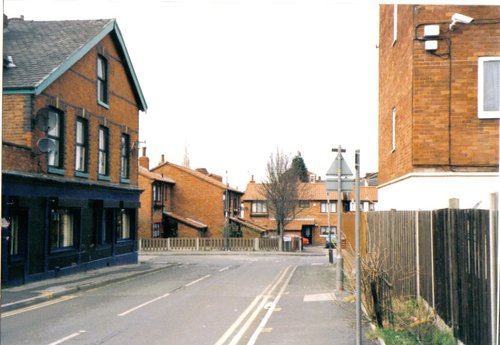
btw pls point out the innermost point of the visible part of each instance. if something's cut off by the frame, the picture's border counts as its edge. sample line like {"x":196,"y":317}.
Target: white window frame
{"x":481,"y":113}
{"x":259,"y":207}
{"x":324,"y":207}
{"x":394,"y":119}
{"x":323,"y":231}
{"x":81,"y":144}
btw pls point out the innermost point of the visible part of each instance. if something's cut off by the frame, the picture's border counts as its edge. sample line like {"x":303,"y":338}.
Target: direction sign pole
{"x":358,"y":254}
{"x":340,"y":260}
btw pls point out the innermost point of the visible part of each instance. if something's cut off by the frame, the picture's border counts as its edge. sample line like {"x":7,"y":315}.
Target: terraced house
{"x":71,"y":103}
{"x":316,"y":211}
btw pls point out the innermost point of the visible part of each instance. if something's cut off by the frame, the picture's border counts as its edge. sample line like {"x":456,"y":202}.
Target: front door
{"x":307,"y":232}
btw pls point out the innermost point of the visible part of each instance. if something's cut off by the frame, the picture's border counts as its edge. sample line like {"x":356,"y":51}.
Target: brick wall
{"x":437,"y":124}
{"x":75,"y":94}
{"x":195,"y":198}
{"x":146,"y":209}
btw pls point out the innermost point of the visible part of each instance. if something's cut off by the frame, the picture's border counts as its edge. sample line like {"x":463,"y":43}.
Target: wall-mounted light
{"x":459,"y":18}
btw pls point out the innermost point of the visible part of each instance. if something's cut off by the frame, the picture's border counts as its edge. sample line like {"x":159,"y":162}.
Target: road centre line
{"x":197,"y":280}
{"x":158,"y":298}
{"x":144,"y":304}
{"x":224,"y":269}
{"x":266,"y":318}
{"x":71,"y":336}
{"x":268,"y":289}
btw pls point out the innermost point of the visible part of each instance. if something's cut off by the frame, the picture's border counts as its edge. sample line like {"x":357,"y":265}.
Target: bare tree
{"x":281,"y":190}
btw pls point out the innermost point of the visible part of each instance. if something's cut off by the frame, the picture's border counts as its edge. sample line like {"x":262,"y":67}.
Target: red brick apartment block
{"x":428,"y":99}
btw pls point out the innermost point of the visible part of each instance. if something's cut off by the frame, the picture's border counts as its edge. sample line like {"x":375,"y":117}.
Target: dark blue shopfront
{"x":60,"y":226}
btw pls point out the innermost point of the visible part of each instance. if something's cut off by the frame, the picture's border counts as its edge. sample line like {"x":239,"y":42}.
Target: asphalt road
{"x":217,"y":300}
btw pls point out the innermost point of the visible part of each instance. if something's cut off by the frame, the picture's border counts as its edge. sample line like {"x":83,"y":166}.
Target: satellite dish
{"x":46,"y":145}
{"x":45,"y":119}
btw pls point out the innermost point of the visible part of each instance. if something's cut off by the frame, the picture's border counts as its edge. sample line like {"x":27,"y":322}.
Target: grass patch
{"x":413,"y":324}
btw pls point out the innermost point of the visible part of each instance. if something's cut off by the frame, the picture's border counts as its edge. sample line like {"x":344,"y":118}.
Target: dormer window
{"x":102,"y":81}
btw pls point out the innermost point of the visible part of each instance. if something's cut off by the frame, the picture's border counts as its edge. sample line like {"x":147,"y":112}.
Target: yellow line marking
{"x":38,"y":306}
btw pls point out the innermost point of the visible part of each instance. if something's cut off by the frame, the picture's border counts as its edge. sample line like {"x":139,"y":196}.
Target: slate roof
{"x":43,"y":50}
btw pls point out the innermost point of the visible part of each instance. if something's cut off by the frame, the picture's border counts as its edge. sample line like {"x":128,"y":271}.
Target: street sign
{"x":334,"y":168}
{"x":346,"y":185}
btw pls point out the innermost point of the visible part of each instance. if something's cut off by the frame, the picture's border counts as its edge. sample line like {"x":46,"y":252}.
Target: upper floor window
{"x":488,"y":87}
{"x":324,"y":207}
{"x":103,"y":151}
{"x":394,"y":129}
{"x":55,"y":134}
{"x":125,"y":157}
{"x":81,"y":145}
{"x":158,"y":194}
{"x":259,"y":207}
{"x":102,"y":80}
{"x":304,"y":204}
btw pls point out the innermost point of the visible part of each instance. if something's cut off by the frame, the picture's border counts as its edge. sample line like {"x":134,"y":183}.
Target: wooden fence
{"x":208,"y":244}
{"x":442,"y":256}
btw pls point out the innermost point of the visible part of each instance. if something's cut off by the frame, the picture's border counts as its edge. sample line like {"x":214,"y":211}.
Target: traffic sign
{"x":346,"y":185}
{"x":334,"y":168}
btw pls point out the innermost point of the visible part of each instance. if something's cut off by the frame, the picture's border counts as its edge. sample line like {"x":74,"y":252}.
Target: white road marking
{"x":320,"y":297}
{"x":224,"y":269}
{"x":144,"y":304}
{"x":266,"y":318}
{"x":71,"y":336}
{"x":197,"y":280}
{"x":249,"y":309}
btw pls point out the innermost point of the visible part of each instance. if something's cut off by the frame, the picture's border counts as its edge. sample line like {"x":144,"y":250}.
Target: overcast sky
{"x":235,"y":80}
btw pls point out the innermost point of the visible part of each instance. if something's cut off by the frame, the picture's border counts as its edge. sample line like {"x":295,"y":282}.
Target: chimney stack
{"x":144,"y":160}
{"x":162,"y":158}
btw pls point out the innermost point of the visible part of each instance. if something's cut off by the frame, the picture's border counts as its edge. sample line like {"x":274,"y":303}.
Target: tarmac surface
{"x":16,"y":297}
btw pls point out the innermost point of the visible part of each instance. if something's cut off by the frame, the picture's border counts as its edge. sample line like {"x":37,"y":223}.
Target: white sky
{"x":235,"y":80}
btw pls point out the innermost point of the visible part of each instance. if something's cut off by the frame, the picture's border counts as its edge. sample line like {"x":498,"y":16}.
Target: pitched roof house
{"x":311,"y":220}
{"x":71,"y":103}
{"x":438,"y":118}
{"x":201,"y":204}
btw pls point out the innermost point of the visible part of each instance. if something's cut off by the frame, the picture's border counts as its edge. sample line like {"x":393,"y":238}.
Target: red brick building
{"x":71,"y":103}
{"x":156,"y":200}
{"x":311,"y":220}
{"x":200,"y":204}
{"x":438,"y":105}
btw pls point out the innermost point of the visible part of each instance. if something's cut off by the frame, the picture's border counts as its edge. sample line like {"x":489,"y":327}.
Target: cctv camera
{"x":459,"y":18}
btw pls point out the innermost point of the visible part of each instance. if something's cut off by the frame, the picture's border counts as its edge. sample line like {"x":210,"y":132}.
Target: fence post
{"x":493,"y":268}
{"x":197,"y":244}
{"x":168,"y":243}
{"x":256,"y":244}
{"x":139,"y":245}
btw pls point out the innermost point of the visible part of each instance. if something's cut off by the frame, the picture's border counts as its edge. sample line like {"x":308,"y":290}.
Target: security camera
{"x":459,"y":18}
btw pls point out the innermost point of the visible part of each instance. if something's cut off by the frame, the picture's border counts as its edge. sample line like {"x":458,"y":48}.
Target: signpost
{"x":340,"y":170}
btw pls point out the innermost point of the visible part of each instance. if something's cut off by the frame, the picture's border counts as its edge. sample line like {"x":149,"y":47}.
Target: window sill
{"x":125,"y":180}
{"x":103,"y":178}
{"x":65,"y":250}
{"x":102,"y":104}
{"x":81,"y":174}
{"x":57,"y":171}
{"x":259,"y":214}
